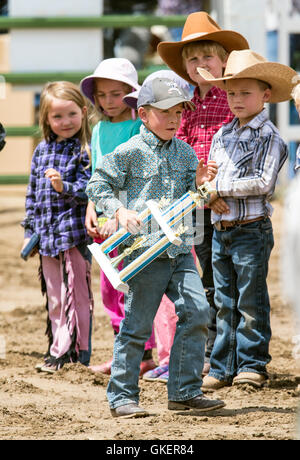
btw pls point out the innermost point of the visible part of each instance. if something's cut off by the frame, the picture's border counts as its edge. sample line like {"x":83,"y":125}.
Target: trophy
{"x":167,"y":220}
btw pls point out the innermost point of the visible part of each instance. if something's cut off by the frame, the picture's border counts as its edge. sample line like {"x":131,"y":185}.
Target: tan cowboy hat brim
{"x":171,"y":52}
{"x":279,"y":76}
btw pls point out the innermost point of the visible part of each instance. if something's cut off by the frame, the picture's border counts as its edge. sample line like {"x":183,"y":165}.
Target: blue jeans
{"x":240,"y":264}
{"x":179,"y":279}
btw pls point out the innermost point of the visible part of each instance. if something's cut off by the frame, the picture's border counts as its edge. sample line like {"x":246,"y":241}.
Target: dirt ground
{"x":72,"y":404}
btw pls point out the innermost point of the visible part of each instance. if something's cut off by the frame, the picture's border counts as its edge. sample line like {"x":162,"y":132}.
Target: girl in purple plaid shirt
{"x":55,"y":210}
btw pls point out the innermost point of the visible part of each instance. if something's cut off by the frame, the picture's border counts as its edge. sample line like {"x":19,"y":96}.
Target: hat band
{"x":196,"y":35}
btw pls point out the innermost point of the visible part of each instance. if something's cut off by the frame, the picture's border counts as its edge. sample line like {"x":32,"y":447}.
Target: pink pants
{"x":69,"y":307}
{"x":113,"y":302}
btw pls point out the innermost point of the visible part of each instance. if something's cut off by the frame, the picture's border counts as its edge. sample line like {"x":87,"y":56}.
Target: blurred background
{"x":44,"y":41}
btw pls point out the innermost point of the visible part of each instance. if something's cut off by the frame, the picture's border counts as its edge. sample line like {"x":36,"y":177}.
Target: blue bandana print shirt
{"x":58,"y":218}
{"x":145,"y":168}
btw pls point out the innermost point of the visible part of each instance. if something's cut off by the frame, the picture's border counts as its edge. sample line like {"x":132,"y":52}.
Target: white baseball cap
{"x":131,"y":98}
{"x":119,"y":69}
{"x":163,"y":93}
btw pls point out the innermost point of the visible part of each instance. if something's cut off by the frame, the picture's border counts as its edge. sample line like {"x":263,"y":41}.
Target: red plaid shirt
{"x":199,"y":126}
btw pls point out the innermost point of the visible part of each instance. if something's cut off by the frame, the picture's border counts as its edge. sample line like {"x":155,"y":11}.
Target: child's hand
{"x":91,"y":223}
{"x":219,"y":206}
{"x":129,"y":220}
{"x":108,"y":228}
{"x":206,"y":173}
{"x":56,"y":180}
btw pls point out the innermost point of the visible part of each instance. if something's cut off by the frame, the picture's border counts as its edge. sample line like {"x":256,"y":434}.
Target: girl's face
{"x":65,"y":118}
{"x":109,"y":94}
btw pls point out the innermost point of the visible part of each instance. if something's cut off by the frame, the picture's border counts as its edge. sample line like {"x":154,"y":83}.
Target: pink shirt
{"x":199,"y":126}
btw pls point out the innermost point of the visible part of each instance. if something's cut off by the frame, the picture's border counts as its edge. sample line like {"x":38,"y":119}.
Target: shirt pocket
{"x":144,"y":178}
{"x":69,"y":174}
{"x":244,"y":160}
{"x":179,"y":178}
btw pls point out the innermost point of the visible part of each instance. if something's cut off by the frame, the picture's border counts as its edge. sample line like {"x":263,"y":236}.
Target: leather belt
{"x":223,"y":225}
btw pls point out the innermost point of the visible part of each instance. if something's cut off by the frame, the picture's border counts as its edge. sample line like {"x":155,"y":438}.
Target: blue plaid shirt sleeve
{"x":29,"y":220}
{"x":76,"y":190}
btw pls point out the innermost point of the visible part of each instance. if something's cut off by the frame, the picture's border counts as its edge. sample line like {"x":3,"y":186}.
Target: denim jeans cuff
{"x":222,"y":378}
{"x":186,"y":398}
{"x":122,"y":403}
{"x":256,"y":371}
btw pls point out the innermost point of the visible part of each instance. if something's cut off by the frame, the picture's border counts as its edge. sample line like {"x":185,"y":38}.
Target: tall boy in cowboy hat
{"x":250,"y":153}
{"x":203,"y":44}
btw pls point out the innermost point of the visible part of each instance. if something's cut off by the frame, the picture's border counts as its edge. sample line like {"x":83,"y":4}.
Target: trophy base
{"x":107,"y":268}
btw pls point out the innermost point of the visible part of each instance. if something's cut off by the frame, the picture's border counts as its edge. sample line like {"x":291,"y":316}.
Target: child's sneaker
{"x":153,"y":374}
{"x":164,"y":377}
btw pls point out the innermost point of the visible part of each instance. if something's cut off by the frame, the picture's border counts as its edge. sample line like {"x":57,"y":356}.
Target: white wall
{"x":39,"y":50}
{"x":246,"y":17}
{"x":40,"y":8}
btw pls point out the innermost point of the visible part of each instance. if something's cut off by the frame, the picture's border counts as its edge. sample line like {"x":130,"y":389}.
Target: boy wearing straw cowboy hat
{"x":250,"y":153}
{"x":206,"y":45}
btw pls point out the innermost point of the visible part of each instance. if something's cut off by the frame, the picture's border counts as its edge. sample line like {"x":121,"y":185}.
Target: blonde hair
{"x":70,"y":92}
{"x":295,"y":94}
{"x":204,"y":46}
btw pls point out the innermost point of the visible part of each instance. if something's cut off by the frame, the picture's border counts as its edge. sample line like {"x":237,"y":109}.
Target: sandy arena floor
{"x":72,"y":404}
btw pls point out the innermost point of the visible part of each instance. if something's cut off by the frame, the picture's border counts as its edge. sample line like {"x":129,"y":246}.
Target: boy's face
{"x":163,"y":123}
{"x":208,"y":61}
{"x":246,"y":98}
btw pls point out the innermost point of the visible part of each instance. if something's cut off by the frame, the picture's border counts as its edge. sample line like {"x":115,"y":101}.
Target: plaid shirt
{"x":249,"y":160}
{"x":199,"y":126}
{"x":58,"y":218}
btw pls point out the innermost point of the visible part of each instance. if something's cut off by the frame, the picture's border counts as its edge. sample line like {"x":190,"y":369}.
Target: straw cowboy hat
{"x":248,"y":64}
{"x":119,"y":69}
{"x":198,"y":26}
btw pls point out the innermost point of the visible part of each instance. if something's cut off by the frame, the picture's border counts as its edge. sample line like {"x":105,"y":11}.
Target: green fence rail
{"x":37,"y":78}
{"x":22,"y":131}
{"x":109,"y":21}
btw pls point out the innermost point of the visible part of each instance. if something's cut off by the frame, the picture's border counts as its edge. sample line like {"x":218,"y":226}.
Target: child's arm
{"x":129,"y":220}
{"x":73,"y":190}
{"x":30,"y":202}
{"x":55,"y":178}
{"x":218,"y":205}
{"x":206,"y":173}
{"x":91,"y":222}
{"x":269,"y":157}
{"x":107,"y":181}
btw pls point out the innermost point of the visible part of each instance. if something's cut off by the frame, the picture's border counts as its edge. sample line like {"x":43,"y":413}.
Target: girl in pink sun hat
{"x":113,"y":79}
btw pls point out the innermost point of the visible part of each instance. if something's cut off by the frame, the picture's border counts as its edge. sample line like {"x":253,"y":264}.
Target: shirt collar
{"x":214,"y":91}
{"x":255,"y":123}
{"x":150,"y":138}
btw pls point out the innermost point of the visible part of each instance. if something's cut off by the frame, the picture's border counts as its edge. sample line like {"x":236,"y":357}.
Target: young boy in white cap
{"x":151,"y":165}
{"x":250,"y":153}
{"x":203,"y":44}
